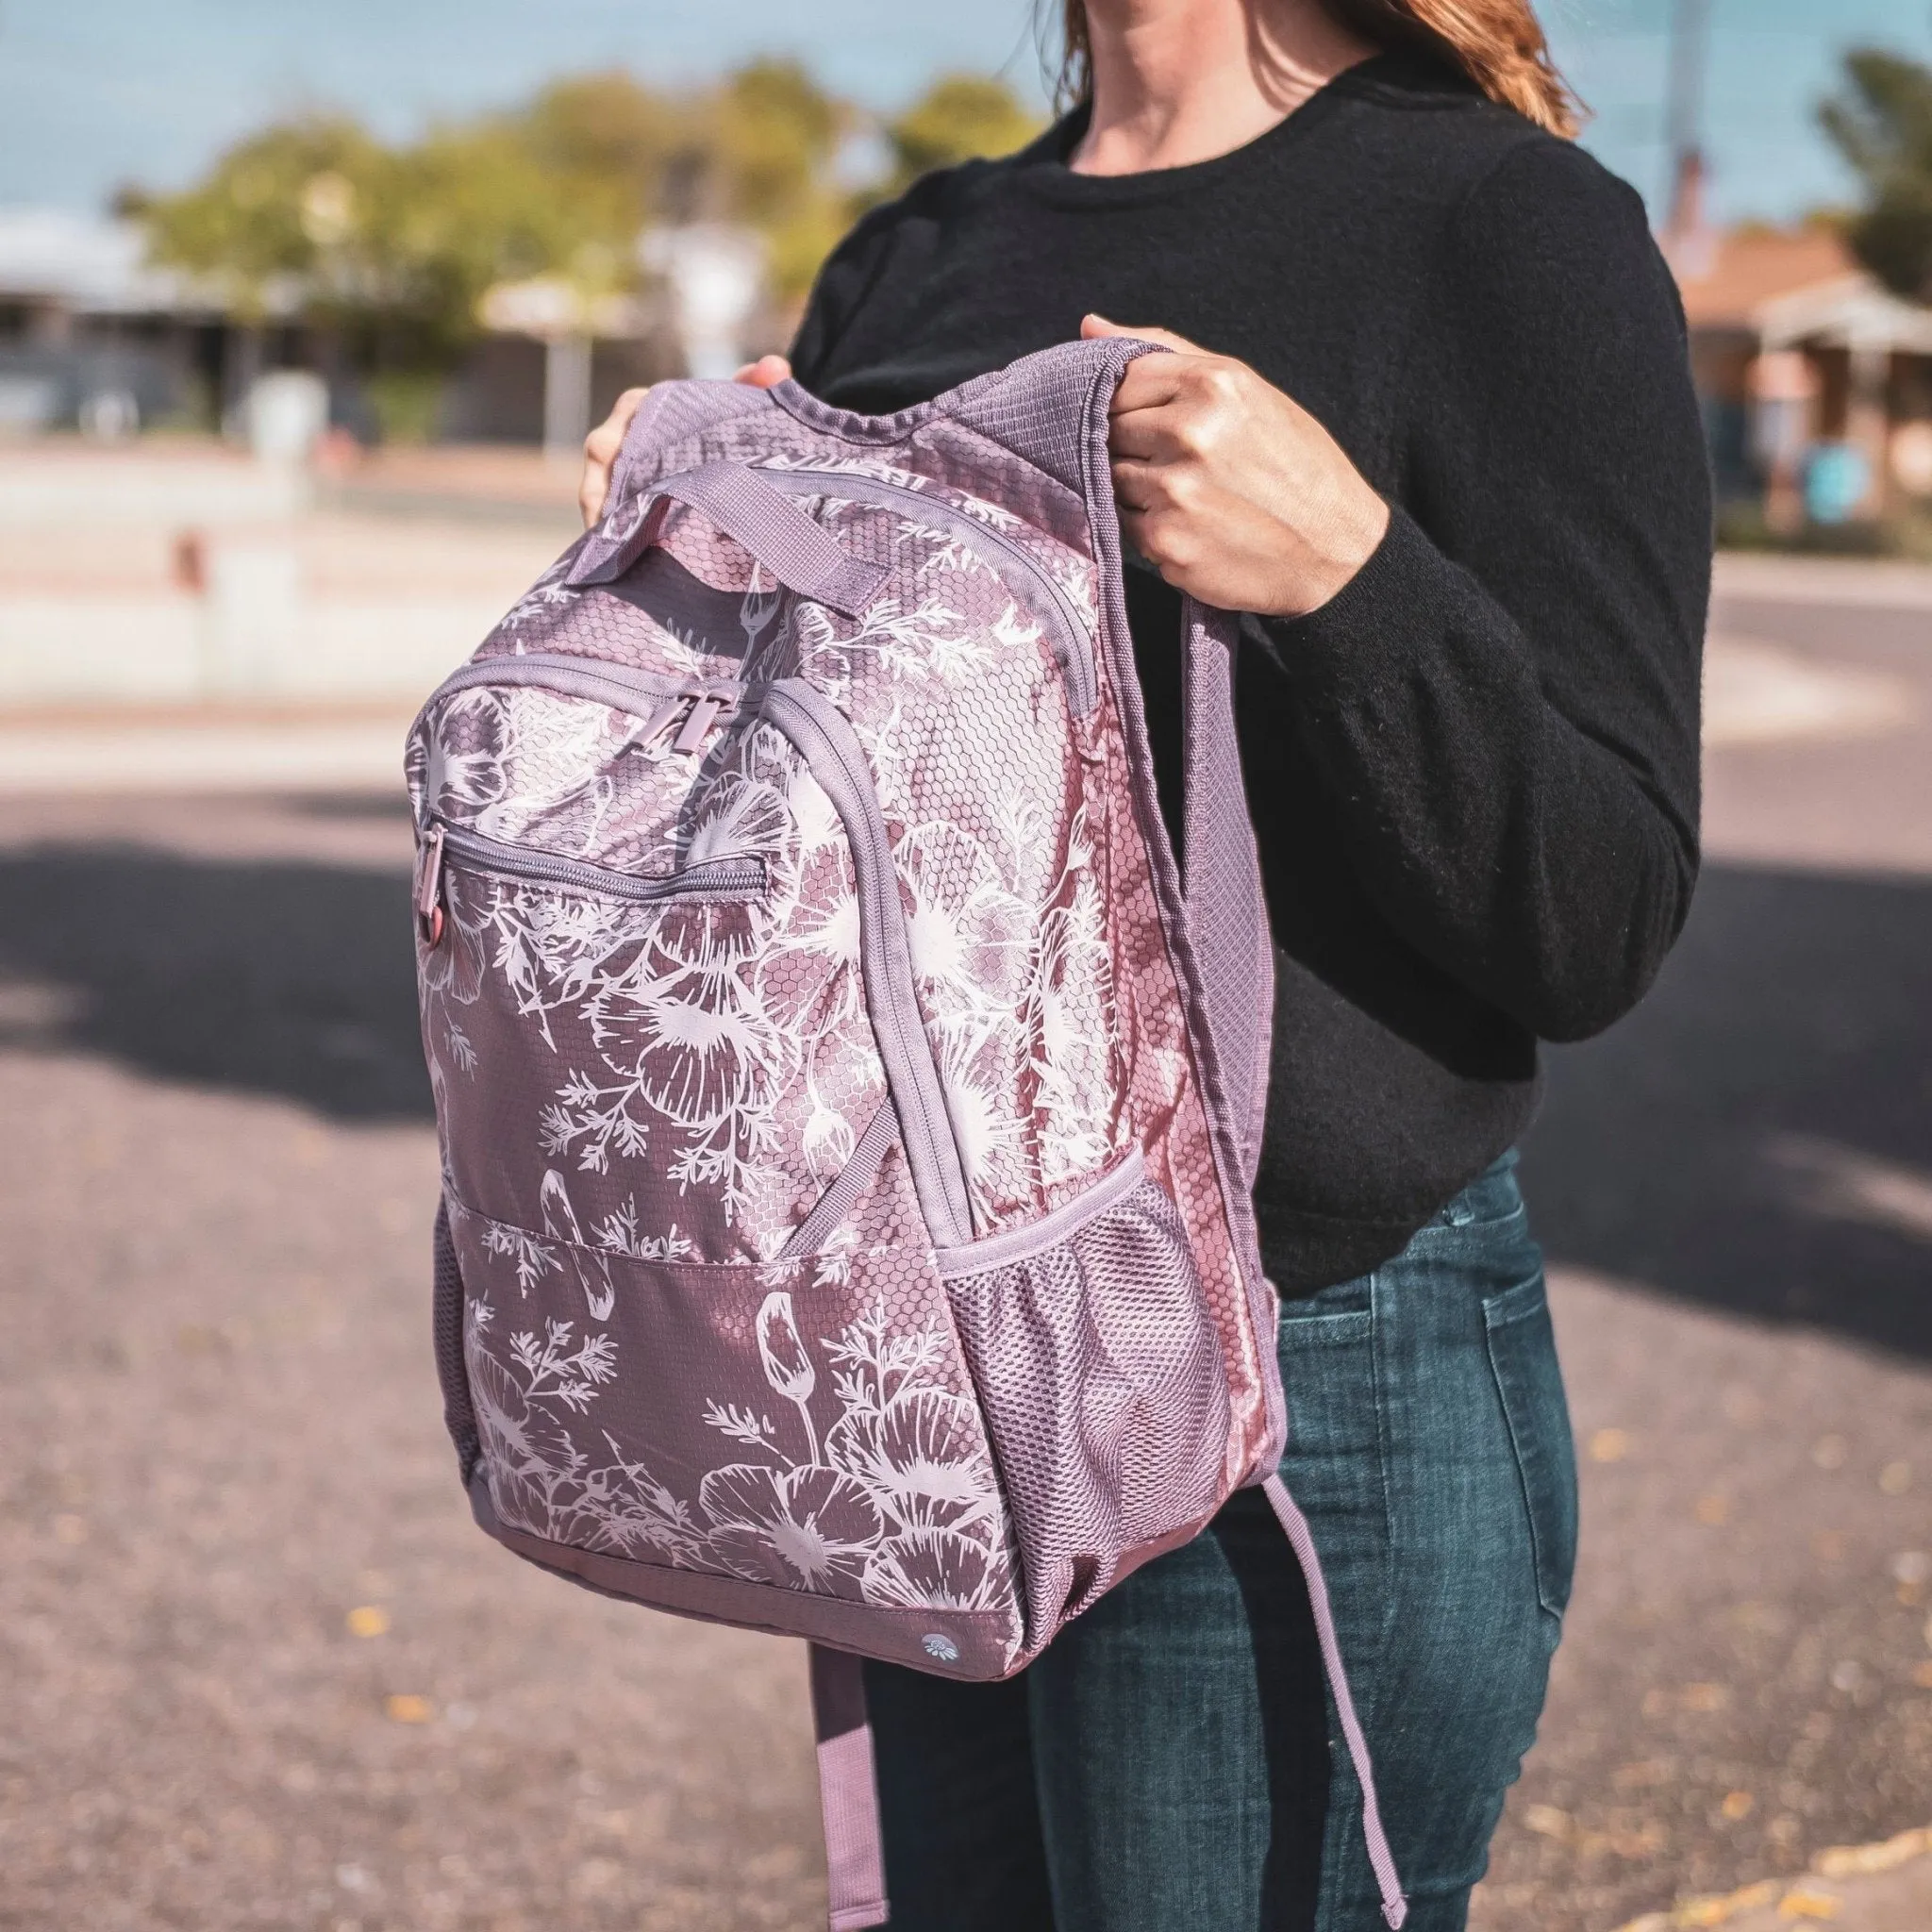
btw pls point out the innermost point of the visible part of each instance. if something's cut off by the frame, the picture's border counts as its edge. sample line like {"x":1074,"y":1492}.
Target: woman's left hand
{"x":1231,"y":489}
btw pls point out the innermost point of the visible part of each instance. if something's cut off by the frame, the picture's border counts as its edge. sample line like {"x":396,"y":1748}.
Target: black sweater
{"x":1474,"y":773}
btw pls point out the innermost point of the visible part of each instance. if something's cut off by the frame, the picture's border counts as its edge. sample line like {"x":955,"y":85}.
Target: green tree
{"x":1881,"y":120}
{"x":392,"y":249}
{"x":608,"y":139}
{"x":761,"y":149}
{"x":958,"y":118}
{"x":258,"y":228}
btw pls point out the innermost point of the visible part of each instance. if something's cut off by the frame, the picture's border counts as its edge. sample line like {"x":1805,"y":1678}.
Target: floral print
{"x":642,"y":1098}
{"x":858,"y":1469}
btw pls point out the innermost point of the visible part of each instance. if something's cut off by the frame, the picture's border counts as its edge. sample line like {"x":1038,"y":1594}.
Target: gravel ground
{"x":264,"y":1673}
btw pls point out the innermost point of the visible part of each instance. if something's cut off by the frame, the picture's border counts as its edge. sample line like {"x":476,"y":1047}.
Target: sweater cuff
{"x":1389,"y":606}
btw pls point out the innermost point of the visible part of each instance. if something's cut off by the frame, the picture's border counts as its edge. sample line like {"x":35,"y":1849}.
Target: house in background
{"x":1804,"y":361}
{"x":94,"y":338}
{"x":90,"y":335}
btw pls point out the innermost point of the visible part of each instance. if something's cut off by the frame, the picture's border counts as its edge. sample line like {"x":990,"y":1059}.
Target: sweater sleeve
{"x":1503,"y":705}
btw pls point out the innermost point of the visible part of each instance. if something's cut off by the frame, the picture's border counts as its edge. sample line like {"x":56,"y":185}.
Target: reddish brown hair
{"x":1498,"y":43}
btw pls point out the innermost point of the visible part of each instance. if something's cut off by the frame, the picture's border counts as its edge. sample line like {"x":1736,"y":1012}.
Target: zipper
{"x":659,"y":698}
{"x":1074,"y":649}
{"x":719,"y":879}
{"x":830,"y":747}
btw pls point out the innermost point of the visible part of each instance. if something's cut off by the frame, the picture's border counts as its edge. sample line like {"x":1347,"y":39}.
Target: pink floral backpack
{"x":849,"y":1106}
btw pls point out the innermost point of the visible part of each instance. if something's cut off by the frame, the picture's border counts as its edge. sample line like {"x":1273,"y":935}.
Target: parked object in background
{"x":1838,"y":480}
{"x":1912,"y":457}
{"x":716,"y":274}
{"x":286,"y":413}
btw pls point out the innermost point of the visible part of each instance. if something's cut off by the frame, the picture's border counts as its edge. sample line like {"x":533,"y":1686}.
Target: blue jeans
{"x":1172,"y":1763}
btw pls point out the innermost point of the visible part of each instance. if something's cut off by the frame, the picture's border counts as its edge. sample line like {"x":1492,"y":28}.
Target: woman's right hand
{"x":603,"y":444}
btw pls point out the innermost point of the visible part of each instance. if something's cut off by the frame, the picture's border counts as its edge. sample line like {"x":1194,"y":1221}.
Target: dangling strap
{"x":1394,"y":1907}
{"x":848,"y":1793}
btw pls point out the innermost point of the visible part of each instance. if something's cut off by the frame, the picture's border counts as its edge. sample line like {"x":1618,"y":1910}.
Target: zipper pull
{"x":430,"y":913}
{"x":660,"y":721}
{"x":704,"y":714}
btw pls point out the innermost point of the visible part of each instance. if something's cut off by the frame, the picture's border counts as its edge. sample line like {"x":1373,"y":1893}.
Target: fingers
{"x":600,"y":452}
{"x":1096,"y":327}
{"x":601,"y":445}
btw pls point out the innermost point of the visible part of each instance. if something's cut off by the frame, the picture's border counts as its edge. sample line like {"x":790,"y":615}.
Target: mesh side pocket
{"x":1101,"y":1377}
{"x":458,"y":1416}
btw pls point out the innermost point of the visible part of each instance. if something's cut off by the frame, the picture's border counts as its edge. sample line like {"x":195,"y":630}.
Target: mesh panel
{"x":1101,"y":1378}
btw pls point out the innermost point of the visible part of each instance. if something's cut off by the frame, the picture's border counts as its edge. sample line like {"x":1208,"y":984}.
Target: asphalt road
{"x":263,"y":1674}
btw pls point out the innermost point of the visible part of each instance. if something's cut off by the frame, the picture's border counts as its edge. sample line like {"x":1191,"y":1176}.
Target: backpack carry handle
{"x":800,"y":554}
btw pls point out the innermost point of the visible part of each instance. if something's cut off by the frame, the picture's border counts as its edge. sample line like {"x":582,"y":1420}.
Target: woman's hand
{"x":1231,"y":489}
{"x":603,"y":444}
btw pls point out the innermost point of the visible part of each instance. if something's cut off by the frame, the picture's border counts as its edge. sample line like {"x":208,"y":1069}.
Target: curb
{"x":1784,"y":1901}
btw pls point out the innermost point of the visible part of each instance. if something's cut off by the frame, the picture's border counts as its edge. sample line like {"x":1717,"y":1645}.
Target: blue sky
{"x":97,"y":91}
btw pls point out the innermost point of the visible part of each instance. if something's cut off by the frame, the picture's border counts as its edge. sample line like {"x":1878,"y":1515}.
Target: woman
{"x":1427,"y":418}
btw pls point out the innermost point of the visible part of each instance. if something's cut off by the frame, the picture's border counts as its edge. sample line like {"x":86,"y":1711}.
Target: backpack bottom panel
{"x":803,"y":1427}
{"x":972,"y":1645}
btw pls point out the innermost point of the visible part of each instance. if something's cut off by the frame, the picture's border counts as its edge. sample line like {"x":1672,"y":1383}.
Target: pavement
{"x":264,"y":1673}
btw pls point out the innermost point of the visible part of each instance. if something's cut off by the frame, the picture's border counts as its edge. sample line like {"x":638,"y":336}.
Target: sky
{"x":97,"y":92}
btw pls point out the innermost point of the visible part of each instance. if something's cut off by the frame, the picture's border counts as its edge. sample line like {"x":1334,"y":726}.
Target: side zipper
{"x":1074,"y":648}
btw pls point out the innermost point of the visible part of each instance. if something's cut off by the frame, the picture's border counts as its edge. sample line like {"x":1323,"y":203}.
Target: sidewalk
{"x":1864,"y":583}
{"x":1877,"y":1888}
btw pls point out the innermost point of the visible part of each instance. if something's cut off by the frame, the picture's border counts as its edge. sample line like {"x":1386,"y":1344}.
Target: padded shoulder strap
{"x":1045,"y":405}
{"x":1053,"y":410}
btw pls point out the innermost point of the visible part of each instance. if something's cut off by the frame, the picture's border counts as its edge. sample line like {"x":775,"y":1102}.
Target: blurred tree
{"x":955,"y":120}
{"x":760,"y":151}
{"x":1881,"y":120}
{"x":257,"y":226}
{"x":392,"y":249}
{"x":610,"y":139}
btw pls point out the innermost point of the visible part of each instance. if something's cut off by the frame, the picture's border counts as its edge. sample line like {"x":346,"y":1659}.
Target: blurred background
{"x":302,"y":316}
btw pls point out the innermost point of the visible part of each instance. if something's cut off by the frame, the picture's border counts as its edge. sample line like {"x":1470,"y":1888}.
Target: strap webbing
{"x":848,"y":1793}
{"x":1394,"y":1906}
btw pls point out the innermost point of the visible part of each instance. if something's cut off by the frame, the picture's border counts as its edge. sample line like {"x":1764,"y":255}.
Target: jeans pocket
{"x":1523,"y":1357}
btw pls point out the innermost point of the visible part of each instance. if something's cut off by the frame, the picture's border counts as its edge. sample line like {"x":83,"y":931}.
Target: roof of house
{"x":1792,"y":287}
{"x":86,"y":263}
{"x":1727,"y":278}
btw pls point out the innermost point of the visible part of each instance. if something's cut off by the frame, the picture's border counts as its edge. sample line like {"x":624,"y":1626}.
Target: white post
{"x":566,"y":396}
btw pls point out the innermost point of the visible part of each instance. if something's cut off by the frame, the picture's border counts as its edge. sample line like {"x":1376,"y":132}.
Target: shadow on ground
{"x":277,"y":977}
{"x":1758,"y":1137}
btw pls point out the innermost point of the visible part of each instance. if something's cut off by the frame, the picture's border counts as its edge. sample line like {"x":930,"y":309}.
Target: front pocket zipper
{"x":824,"y":737}
{"x":1073,"y":648}
{"x":715,"y":878}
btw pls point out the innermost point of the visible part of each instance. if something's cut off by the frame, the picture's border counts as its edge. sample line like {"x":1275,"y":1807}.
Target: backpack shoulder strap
{"x":1052,"y":409}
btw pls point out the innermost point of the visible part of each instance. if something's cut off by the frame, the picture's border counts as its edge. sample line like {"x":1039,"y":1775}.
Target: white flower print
{"x":803,"y":1528}
{"x":895,"y":1502}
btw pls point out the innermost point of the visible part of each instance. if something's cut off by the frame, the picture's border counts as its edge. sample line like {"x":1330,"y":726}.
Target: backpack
{"x":848,"y":1099}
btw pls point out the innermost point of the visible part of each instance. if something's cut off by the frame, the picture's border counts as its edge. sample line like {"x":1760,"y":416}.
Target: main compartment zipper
{"x":1074,"y":648}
